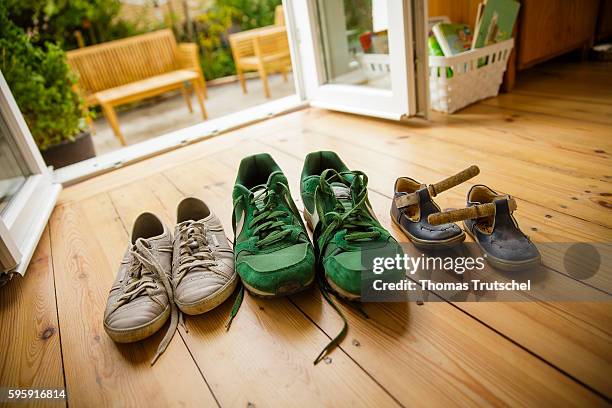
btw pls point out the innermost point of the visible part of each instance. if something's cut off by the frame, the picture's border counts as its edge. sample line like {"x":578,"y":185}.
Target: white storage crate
{"x":468,"y":82}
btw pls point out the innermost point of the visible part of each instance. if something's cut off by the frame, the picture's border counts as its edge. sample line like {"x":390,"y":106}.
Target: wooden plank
{"x":30,"y":340}
{"x":580,"y":82}
{"x":435,"y":353}
{"x":270,"y":340}
{"x":577,"y":151}
{"x":578,"y":110}
{"x":88,"y":241}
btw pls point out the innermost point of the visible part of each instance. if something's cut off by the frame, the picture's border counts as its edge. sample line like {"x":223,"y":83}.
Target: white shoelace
{"x":140,"y":277}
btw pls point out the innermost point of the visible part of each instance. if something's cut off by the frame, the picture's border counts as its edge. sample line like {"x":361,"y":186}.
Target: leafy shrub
{"x":57,"y":20}
{"x":42,"y":84}
{"x":252,"y":13}
{"x":215,"y":55}
{"x":223,"y":18}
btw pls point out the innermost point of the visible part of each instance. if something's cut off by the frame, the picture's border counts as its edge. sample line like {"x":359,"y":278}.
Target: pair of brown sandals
{"x":487,"y":217}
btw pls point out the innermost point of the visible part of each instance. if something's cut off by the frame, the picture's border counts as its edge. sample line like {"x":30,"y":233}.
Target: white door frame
{"x":25,"y":217}
{"x":397,"y":103}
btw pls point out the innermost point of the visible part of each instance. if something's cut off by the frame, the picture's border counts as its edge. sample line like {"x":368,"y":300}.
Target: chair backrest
{"x":120,"y":62}
{"x":241,"y":45}
{"x":272,"y":43}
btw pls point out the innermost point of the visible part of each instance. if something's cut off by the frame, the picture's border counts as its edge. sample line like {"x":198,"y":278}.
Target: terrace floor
{"x":548,"y":144}
{"x":162,"y":115}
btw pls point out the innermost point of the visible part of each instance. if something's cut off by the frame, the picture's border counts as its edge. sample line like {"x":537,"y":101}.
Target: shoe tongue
{"x":342,"y":192}
{"x":274,"y":183}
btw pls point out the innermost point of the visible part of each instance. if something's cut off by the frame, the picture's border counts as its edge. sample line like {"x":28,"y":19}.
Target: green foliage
{"x":57,"y":20}
{"x":223,"y":18}
{"x":212,"y":27}
{"x":358,"y":14}
{"x":252,"y":13}
{"x":42,"y":84}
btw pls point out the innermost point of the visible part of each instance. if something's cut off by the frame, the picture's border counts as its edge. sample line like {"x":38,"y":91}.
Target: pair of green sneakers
{"x":273,"y":254}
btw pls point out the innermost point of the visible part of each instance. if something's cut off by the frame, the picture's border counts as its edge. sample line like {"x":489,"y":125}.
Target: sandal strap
{"x":409,"y":199}
{"x":475,"y":211}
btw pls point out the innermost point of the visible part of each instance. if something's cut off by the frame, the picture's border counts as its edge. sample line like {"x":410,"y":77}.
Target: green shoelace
{"x":357,"y":222}
{"x":268,"y":223}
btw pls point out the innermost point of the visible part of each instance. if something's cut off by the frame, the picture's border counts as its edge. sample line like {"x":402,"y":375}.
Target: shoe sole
{"x":138,"y":333}
{"x":430,"y":244}
{"x":502,"y":264}
{"x":337,"y":289}
{"x":285,"y":290}
{"x":211,"y":301}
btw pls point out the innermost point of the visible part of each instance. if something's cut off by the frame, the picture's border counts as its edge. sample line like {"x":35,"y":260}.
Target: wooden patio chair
{"x":265,"y":50}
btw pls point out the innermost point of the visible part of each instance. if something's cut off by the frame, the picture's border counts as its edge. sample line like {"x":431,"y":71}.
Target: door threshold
{"x":140,"y":151}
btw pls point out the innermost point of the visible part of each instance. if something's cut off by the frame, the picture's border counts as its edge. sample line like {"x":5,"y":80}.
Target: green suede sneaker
{"x":274,"y":256}
{"x":345,"y":230}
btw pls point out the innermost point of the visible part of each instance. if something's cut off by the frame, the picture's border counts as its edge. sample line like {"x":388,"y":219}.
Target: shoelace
{"x":141,"y":275}
{"x":194,"y":249}
{"x":269,"y":224}
{"x":358,"y":223}
{"x":268,"y":221}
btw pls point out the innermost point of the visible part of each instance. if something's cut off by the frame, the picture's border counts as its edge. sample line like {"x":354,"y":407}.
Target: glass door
{"x":13,"y":173}
{"x":362,"y":56}
{"x":27,"y":192}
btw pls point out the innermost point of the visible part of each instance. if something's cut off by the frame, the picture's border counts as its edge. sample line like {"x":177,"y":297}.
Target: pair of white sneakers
{"x":159,"y":275}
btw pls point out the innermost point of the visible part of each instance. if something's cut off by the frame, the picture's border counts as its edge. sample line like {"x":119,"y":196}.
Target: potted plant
{"x":44,"y":89}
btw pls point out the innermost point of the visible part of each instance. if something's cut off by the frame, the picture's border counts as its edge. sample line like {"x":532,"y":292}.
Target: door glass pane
{"x":354,"y":42}
{"x":12,"y":170}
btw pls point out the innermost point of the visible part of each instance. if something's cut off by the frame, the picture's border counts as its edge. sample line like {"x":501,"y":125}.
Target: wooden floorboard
{"x":548,"y":144}
{"x":30,"y":354}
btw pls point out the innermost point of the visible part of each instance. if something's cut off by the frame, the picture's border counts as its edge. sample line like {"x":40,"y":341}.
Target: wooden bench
{"x":264,"y":49}
{"x":134,"y":68}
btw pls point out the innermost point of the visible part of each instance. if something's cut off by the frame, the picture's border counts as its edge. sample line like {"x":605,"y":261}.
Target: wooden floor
{"x":549,"y":144}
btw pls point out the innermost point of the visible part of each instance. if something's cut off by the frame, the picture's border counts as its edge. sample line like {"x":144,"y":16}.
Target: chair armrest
{"x":188,"y":57}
